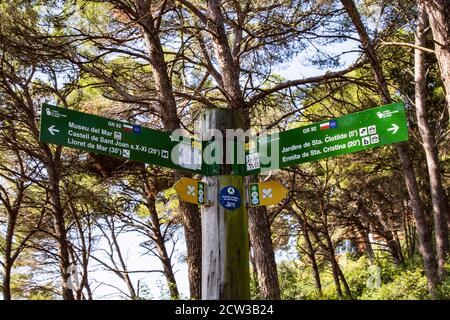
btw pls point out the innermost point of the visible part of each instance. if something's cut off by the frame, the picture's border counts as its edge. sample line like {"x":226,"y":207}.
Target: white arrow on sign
{"x":394,"y":128}
{"x":53,"y":130}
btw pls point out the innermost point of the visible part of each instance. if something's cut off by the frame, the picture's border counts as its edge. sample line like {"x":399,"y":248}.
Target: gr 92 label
{"x":245,"y":309}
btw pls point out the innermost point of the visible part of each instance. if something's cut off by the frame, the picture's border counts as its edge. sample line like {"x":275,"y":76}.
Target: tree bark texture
{"x":438,"y":198}
{"x":402,"y":150}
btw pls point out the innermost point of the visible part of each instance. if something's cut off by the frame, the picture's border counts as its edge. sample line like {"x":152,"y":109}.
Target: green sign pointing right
{"x":351,"y":133}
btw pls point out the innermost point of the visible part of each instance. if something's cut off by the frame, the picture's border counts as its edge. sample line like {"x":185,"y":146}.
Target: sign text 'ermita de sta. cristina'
{"x":116,"y":138}
{"x":351,"y":133}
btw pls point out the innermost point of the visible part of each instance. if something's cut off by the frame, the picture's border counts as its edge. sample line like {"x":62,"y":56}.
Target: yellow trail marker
{"x":191,"y":190}
{"x":266,"y":193}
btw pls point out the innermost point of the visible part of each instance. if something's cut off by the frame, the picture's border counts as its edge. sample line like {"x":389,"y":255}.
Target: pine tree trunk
{"x":261,"y":243}
{"x":8,"y":251}
{"x":255,"y":274}
{"x":403,"y":152}
{"x":59,"y":229}
{"x":348,"y":292}
{"x":438,"y":15}
{"x":312,"y":258}
{"x":368,"y":247}
{"x":438,"y":198}
{"x":259,"y":228}
{"x":6,"y":283}
{"x":193,"y":235}
{"x":398,"y":247}
{"x":160,"y":243}
{"x":171,"y":121}
{"x":122,"y":272}
{"x":334,"y":266}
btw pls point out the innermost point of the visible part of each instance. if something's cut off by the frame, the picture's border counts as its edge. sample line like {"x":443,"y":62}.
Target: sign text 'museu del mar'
{"x":116,"y":138}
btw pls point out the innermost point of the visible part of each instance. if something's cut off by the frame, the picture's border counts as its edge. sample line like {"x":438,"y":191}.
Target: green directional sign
{"x":351,"y":133}
{"x":116,"y":138}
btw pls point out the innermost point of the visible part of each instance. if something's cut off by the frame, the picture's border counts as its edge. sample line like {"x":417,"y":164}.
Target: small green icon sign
{"x":254,"y":194}
{"x":201,"y":193}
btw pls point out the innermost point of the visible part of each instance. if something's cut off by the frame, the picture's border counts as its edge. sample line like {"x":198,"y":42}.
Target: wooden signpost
{"x":221,"y":193}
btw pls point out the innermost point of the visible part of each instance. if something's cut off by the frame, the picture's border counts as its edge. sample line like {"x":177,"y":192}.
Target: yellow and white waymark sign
{"x":266,"y":193}
{"x":191,"y":190}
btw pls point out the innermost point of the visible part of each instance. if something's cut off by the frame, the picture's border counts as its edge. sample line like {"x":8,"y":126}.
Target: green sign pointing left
{"x":118,"y":139}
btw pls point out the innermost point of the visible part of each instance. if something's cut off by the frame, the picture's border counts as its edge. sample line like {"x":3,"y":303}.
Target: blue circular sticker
{"x":230,"y":198}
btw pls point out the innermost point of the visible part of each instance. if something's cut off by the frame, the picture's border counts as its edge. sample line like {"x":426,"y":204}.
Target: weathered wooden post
{"x":225,"y":243}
